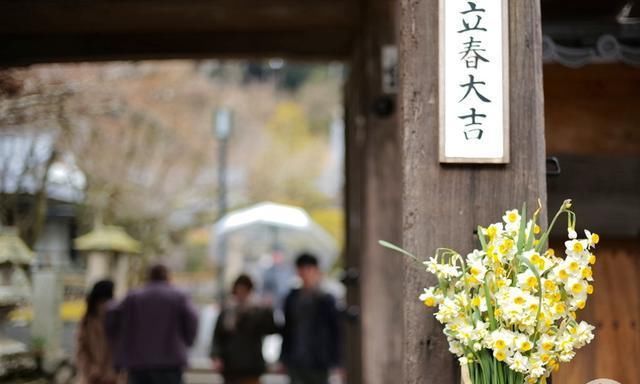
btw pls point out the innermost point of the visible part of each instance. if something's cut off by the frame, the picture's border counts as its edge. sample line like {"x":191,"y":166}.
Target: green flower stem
{"x":545,"y":235}
{"x":485,"y":369}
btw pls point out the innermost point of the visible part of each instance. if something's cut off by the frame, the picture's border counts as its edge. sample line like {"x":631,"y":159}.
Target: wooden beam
{"x":381,"y":285}
{"x":443,"y":204}
{"x":581,"y":9}
{"x":373,"y":177}
{"x":24,"y":50}
{"x":168,"y":16}
{"x":355,"y":218}
{"x":35,"y":31}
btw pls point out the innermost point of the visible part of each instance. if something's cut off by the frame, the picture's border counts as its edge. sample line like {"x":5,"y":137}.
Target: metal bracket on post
{"x":352,"y":313}
{"x":553,"y":166}
{"x":350,"y":277}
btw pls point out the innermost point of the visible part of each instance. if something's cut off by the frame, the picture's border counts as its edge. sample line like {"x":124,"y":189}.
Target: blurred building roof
{"x":23,"y":156}
{"x":107,"y":238}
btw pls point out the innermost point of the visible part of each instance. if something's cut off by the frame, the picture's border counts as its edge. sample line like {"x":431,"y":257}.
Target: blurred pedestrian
{"x":311,"y":335}
{"x":93,"y":353}
{"x":237,"y":340}
{"x":277,"y":279}
{"x":153,"y":327}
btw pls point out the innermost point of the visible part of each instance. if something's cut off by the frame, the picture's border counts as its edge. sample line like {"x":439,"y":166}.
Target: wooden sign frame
{"x":505,"y":142}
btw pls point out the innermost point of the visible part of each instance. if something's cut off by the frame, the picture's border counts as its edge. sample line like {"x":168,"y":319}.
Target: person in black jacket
{"x":311,"y":342}
{"x":237,"y":340}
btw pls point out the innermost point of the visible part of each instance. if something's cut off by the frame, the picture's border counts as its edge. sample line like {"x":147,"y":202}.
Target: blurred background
{"x":212,"y":167}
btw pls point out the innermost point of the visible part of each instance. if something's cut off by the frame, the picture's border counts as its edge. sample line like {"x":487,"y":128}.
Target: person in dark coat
{"x":152,"y":329}
{"x":237,"y":340}
{"x":311,"y":337}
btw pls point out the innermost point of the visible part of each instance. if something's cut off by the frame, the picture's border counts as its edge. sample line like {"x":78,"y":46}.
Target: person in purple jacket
{"x":151,"y":330}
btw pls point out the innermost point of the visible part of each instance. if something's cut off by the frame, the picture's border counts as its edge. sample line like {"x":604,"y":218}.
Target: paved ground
{"x":190,"y":378}
{"x":210,"y":378}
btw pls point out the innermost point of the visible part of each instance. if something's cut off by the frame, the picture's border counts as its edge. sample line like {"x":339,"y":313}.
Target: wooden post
{"x":373,"y":203}
{"x":441,"y":205}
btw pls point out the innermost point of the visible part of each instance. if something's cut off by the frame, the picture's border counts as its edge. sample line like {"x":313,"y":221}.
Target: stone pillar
{"x":442,"y":204}
{"x":98,"y":267}
{"x":46,"y":327}
{"x":121,"y":275}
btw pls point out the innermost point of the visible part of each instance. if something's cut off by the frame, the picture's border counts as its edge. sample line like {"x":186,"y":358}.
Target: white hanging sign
{"x":474,"y":81}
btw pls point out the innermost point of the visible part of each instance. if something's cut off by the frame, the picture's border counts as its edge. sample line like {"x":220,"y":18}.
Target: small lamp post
{"x":108,"y":250}
{"x":15,"y":258}
{"x":223,"y":121}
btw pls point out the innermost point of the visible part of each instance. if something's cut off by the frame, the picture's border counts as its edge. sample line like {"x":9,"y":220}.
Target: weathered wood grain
{"x":443,"y":204}
{"x":375,"y":142}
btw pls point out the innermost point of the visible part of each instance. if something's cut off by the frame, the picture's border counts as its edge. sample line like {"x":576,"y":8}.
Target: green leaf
{"x":532,"y":236}
{"x":394,"y":247}
{"x":487,"y":297}
{"x":523,"y":227}
{"x":537,"y":275}
{"x":483,"y":241}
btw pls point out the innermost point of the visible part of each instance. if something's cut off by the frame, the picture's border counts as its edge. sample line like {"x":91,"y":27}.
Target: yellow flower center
{"x":512,"y":217}
{"x":589,"y":289}
{"x":573,"y":266}
{"x":519,"y":300}
{"x":536,"y":229}
{"x":547,"y":346}
{"x":595,"y":239}
{"x":525,"y":346}
{"x":429,"y":302}
{"x":560,"y":308}
{"x":563,"y":274}
{"x":500,"y":355}
{"x":472,"y":280}
{"x":549,"y":285}
{"x":577,"y":247}
{"x":587,"y":272}
{"x":577,"y":288}
{"x":499,"y":344}
{"x":592,"y":259}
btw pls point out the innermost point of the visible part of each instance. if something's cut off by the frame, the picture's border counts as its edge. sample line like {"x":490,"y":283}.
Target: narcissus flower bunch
{"x":509,"y":309}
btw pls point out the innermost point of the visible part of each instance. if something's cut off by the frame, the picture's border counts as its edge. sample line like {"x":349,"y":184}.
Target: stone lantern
{"x":108,"y":249}
{"x":15,"y":258}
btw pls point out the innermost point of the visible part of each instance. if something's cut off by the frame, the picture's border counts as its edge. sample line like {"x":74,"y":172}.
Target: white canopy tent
{"x":267,"y":227}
